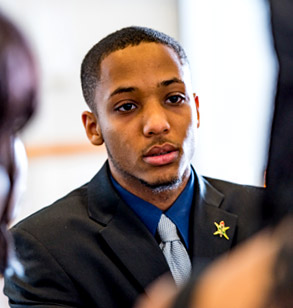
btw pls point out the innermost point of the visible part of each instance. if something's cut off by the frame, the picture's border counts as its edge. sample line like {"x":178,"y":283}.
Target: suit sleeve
{"x":44,"y":284}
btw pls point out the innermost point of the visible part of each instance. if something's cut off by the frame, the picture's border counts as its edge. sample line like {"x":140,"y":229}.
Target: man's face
{"x":146,"y":115}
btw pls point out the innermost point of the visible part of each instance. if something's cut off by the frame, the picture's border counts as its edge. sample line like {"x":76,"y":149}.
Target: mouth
{"x":161,"y":155}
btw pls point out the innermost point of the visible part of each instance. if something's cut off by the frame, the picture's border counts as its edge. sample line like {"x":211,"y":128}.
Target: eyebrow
{"x":122,"y":90}
{"x":166,"y":83}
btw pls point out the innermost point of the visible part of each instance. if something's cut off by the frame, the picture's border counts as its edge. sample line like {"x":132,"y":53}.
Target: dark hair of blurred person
{"x":18,"y":95}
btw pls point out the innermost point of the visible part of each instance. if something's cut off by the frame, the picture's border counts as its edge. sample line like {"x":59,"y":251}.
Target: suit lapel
{"x":205,"y":245}
{"x":127,"y":237}
{"x":135,"y":246}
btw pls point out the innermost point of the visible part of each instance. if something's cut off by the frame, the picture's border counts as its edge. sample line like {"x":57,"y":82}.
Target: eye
{"x":126,"y":107}
{"x":175,"y":99}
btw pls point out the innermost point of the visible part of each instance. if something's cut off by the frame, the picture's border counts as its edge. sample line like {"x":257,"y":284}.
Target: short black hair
{"x":130,"y":36}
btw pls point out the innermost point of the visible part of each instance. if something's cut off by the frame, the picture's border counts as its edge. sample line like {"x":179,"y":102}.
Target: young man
{"x":100,"y":246}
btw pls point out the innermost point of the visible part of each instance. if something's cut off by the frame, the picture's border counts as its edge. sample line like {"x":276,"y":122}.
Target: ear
{"x":197,"y":109}
{"x":92,"y":128}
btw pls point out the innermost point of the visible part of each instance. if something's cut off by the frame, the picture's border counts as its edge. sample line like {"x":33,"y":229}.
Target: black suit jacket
{"x":90,"y":249}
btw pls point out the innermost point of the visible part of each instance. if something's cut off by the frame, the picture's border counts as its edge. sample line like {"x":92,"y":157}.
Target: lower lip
{"x":161,"y":160}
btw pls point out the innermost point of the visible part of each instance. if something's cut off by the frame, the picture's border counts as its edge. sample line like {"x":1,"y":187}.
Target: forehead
{"x":141,"y":62}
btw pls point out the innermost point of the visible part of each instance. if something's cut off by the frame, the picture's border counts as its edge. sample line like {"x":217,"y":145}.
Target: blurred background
{"x":234,"y":73}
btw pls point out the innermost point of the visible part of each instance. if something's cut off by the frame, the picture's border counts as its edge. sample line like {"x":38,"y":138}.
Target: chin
{"x":165,"y":181}
{"x":162,"y":185}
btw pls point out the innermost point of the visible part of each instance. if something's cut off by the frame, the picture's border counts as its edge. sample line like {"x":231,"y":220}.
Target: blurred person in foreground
{"x":258,"y":274}
{"x":18,"y":93}
{"x":105,"y":242}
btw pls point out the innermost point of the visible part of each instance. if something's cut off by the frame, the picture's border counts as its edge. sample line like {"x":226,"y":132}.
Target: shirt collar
{"x":150,"y":215}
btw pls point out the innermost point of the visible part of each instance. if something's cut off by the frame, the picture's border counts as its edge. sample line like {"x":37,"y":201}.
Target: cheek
{"x":123,"y":134}
{"x":119,"y":142}
{"x":188,"y":124}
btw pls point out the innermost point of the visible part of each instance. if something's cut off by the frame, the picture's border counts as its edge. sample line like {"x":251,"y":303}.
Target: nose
{"x":155,"y":120}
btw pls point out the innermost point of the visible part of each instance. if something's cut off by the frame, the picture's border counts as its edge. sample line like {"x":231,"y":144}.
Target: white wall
{"x":234,"y":71}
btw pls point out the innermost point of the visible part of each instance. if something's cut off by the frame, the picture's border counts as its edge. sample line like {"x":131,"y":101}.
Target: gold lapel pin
{"x":221,"y":229}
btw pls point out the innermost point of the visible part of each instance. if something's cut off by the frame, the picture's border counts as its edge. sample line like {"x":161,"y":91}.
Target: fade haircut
{"x":130,"y":36}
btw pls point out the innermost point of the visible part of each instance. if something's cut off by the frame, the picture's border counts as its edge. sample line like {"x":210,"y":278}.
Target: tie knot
{"x":167,"y":229}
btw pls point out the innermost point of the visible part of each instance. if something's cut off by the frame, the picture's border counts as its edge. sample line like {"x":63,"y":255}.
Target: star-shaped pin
{"x":221,"y":229}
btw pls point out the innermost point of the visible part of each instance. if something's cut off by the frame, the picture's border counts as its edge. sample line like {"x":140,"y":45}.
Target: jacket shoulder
{"x":230,"y":187}
{"x":246,"y":201}
{"x":73,"y":203}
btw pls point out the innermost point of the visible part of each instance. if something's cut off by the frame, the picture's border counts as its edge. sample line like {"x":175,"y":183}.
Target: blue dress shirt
{"x":150,"y":214}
